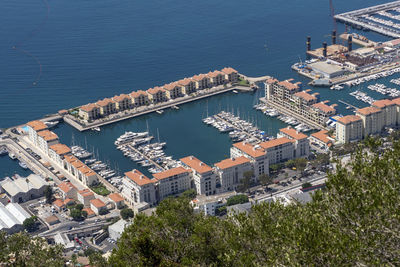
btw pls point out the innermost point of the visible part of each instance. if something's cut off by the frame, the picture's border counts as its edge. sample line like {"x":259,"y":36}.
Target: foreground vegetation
{"x":354,"y":222}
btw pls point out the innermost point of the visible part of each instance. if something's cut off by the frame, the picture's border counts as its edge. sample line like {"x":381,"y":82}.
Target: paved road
{"x":316,"y":180}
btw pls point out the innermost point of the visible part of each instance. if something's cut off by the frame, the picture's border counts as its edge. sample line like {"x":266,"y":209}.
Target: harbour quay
{"x":364,"y":19}
{"x":137,"y":103}
{"x":338,"y":65}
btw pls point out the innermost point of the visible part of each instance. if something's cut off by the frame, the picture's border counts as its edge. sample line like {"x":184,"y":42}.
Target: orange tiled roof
{"x":60,"y":149}
{"x":97,"y":203}
{"x":368,"y":110}
{"x":89,"y":211}
{"x":275,"y":142}
{"x":199,"y":77}
{"x":37,"y":125}
{"x":121,"y":97}
{"x":139,"y":178}
{"x":324,"y":107}
{"x":196,"y":164}
{"x":58,"y":203}
{"x":322,"y":136}
{"x":185,"y":81}
{"x":249,"y":149}
{"x":214,"y":74}
{"x":229,"y":163}
{"x":116,"y":197}
{"x":68,"y":200}
{"x":293,"y":133}
{"x":170,"y":172}
{"x":229,"y":70}
{"x":383,"y":103}
{"x":105,"y":102}
{"x":170,"y":86}
{"x":89,"y":107}
{"x":138,"y":93}
{"x":86,"y":193}
{"x":349,"y":119}
{"x":66,"y":186}
{"x":288,"y":85}
{"x":272,"y":80}
{"x":396,"y":101}
{"x":48,"y":135}
{"x":155,"y":90}
{"x":70,"y":158}
{"x":306,"y":96}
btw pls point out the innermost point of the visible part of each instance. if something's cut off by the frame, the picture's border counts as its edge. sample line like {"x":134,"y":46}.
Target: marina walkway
{"x":235,"y":127}
{"x":350,"y":105}
{"x":257,"y":79}
{"x":152,"y":108}
{"x":146,"y":157}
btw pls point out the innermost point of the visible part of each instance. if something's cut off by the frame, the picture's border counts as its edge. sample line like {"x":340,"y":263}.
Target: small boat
{"x":51,"y":124}
{"x":175,"y":107}
{"x":160,"y":111}
{"x":12,"y":156}
{"x":23,"y":165}
{"x":3,"y":151}
{"x":235,"y":91}
{"x":97,"y":129}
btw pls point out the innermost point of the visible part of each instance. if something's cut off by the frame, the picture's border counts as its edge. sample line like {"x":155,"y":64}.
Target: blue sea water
{"x":69,"y":53}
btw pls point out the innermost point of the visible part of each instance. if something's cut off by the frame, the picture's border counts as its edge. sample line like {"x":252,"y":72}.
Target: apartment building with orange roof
{"x":173,"y":90}
{"x":231,"y":172}
{"x":202,"y":81}
{"x":172,"y":182}
{"x":122,"y":102}
{"x":139,"y":98}
{"x":45,"y":139}
{"x":138,"y":188}
{"x":107,"y":106}
{"x":57,"y":152}
{"x":156,"y":95}
{"x":349,"y":128}
{"x":301,"y":142}
{"x":216,"y":77}
{"x":84,"y":196}
{"x":396,"y":101}
{"x":279,"y":150}
{"x":89,"y":112}
{"x":117,"y":200}
{"x":321,"y":139}
{"x":289,"y":96}
{"x":255,"y":153}
{"x":188,"y":86}
{"x":389,"y":111}
{"x":203,"y":176}
{"x":231,"y":75}
{"x":34,"y":127}
{"x":320,"y":112}
{"x":67,"y":190}
{"x":98,"y":206}
{"x":79,"y":170}
{"x":373,"y":120}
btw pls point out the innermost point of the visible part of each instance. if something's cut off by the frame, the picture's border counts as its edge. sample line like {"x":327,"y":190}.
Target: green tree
{"x":30,"y":223}
{"x":79,"y":206}
{"x":237,"y":199}
{"x":264,"y":179}
{"x":126,"y":213}
{"x":76,"y":214}
{"x":290,"y":163}
{"x":354,"y":222}
{"x":103,"y":212}
{"x":22,"y":249}
{"x":48,"y":193}
{"x":245,"y":183}
{"x":74,"y":259}
{"x":301,"y":164}
{"x":190,"y":194}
